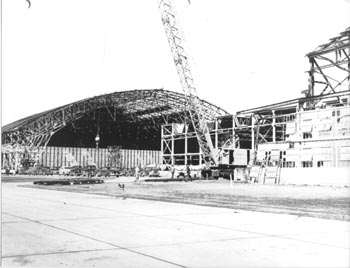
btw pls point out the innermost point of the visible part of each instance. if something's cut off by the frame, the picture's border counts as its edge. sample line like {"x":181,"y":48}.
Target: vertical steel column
{"x":273,"y":126}
{"x":335,"y":135}
{"x":234,"y":132}
{"x":298,"y":129}
{"x":172,"y":143}
{"x":311,"y":90}
{"x":186,"y":144}
{"x":349,"y":71}
{"x":161,"y":144}
{"x":216,"y":134}
{"x":253,"y":133}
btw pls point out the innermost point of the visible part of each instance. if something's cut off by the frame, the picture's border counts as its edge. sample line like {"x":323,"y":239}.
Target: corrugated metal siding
{"x":55,"y":157}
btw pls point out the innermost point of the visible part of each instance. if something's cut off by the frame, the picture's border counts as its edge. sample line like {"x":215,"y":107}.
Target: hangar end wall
{"x":55,"y":157}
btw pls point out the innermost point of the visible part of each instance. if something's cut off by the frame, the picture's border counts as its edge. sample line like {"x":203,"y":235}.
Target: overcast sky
{"x":244,"y":53}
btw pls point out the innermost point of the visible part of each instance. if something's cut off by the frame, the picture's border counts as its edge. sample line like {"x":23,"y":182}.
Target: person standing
{"x":188,"y":171}
{"x":137,"y":174}
{"x":172,"y":170}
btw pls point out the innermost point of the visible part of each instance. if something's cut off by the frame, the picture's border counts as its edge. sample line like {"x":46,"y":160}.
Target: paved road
{"x":52,"y":229}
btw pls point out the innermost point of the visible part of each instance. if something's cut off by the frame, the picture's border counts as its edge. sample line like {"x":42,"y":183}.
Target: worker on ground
{"x":137,"y":174}
{"x":7,"y":171}
{"x":172,"y":170}
{"x":188,"y":171}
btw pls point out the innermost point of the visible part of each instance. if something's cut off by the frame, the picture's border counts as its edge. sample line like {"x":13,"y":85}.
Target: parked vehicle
{"x":55,"y":171}
{"x":42,"y":170}
{"x":145,"y":171}
{"x":36,"y":170}
{"x":103,"y":172}
{"x":64,"y":171}
{"x":115,"y":172}
{"x":154,"y":173}
{"x":150,"y":171}
{"x":8,"y":171}
{"x":76,"y":171}
{"x":127,"y":172}
{"x":90,"y":169}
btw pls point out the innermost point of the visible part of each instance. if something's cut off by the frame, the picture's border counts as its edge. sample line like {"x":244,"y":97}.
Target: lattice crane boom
{"x":175,"y":40}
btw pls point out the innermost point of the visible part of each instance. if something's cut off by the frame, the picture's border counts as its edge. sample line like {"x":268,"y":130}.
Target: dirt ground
{"x":313,"y":201}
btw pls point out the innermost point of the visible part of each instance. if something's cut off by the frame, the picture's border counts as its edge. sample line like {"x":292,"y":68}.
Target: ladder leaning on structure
{"x":264,"y":169}
{"x":273,"y":172}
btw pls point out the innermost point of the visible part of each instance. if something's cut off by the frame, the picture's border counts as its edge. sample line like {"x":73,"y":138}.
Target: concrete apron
{"x":52,"y":229}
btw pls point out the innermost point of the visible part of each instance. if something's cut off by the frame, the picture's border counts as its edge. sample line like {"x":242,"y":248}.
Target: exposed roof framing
{"x":330,"y":66}
{"x":140,"y":106}
{"x":300,"y":103}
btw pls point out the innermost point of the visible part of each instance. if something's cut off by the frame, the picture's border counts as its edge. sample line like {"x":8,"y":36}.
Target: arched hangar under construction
{"x":87,"y":131}
{"x":301,"y":141}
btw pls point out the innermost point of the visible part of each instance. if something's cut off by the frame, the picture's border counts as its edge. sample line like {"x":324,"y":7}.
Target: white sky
{"x":245,"y":53}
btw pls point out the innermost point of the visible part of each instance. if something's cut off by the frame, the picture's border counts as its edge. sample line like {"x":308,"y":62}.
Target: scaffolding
{"x":282,"y":132}
{"x":180,"y":145}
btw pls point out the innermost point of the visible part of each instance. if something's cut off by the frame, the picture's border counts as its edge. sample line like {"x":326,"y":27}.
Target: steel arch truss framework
{"x":330,"y":67}
{"x":151,"y":107}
